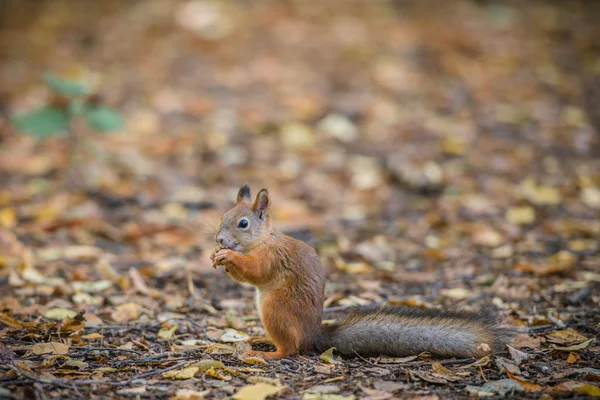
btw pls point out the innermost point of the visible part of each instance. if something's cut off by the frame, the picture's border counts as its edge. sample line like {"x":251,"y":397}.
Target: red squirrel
{"x":290,"y":289}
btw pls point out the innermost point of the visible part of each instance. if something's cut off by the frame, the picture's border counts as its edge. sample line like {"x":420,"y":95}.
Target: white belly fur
{"x":258,"y":298}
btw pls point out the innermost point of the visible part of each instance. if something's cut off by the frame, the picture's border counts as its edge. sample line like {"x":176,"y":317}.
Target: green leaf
{"x":104,"y":119}
{"x":65,"y":87}
{"x":43,"y":122}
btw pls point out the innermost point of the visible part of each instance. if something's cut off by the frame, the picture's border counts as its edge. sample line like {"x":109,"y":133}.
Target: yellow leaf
{"x":92,"y":336}
{"x":213,"y":373}
{"x":8,"y":217}
{"x":167,"y":332}
{"x":575,"y":347}
{"x":329,"y":358}
{"x":126,"y":312}
{"x":522,"y":215}
{"x":573,"y":358}
{"x":59,"y":314}
{"x":188,"y":394}
{"x":264,"y":379}
{"x":252,"y":360}
{"x":13,"y":323}
{"x":455,"y":293}
{"x":205,"y":365}
{"x":183,"y":373}
{"x":232,"y":335}
{"x":257,"y":391}
{"x":439,"y":368}
{"x":50,"y":348}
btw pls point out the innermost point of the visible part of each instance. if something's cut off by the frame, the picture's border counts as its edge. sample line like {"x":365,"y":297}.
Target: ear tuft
{"x":262,"y":203}
{"x":244,"y":194}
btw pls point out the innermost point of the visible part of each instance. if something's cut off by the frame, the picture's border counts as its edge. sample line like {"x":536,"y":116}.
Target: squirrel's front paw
{"x":213,"y":254}
{"x":222,"y":256}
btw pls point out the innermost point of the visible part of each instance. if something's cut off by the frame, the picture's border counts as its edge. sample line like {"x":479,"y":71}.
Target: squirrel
{"x":290,"y":290}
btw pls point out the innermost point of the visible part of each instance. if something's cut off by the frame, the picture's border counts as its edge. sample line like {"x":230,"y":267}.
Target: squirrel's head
{"x":243,"y":225}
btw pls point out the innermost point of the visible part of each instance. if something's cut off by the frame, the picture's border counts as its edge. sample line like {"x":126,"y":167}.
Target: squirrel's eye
{"x":243,"y":224}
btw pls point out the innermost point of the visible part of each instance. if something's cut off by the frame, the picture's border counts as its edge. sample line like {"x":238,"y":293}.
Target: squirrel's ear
{"x":244,"y":194}
{"x":262,"y":203}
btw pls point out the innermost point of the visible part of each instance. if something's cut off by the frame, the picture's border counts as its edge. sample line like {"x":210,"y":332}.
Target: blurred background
{"x":395,"y":136}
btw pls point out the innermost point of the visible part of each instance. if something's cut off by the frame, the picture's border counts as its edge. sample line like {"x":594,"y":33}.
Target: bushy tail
{"x":398,"y":332}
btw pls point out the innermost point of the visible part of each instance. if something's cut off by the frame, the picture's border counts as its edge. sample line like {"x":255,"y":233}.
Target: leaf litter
{"x":434,"y":155}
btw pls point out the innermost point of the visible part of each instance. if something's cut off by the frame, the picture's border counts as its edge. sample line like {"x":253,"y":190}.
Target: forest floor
{"x":436,"y":154}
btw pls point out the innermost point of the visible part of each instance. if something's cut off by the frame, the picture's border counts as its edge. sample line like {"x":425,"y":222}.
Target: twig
{"x":139,"y":353}
{"x":56,"y":382}
{"x":81,"y":382}
{"x":365,"y":360}
{"x":155,"y":372}
{"x":203,"y":329}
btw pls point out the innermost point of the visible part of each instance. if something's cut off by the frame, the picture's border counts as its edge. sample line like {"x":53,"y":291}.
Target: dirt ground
{"x":436,"y":154}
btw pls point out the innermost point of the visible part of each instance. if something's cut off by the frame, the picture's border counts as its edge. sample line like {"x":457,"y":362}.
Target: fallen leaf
{"x":92,"y":336}
{"x":232,"y":336}
{"x":189,"y":394}
{"x":328,"y":356}
{"x":183,"y":373}
{"x":59,"y":314}
{"x":50,"y":348}
{"x":167,"y":332}
{"x":575,"y":347}
{"x":257,"y":391}
{"x":76,"y":364}
{"x":91,"y":287}
{"x":436,"y":366}
{"x":214,"y":373}
{"x":323,"y":389}
{"x":580,"y":387}
{"x":13,"y":323}
{"x":522,"y":215}
{"x":126,"y":312}
{"x":565,"y":337}
{"x":252,"y":360}
{"x":322,"y":369}
{"x":527,"y":386}
{"x":132,"y":391}
{"x":326,"y":396}
{"x":518,"y":356}
{"x":491,"y":388}
{"x":399,"y":360}
{"x":573,"y":358}
{"x":264,"y":379}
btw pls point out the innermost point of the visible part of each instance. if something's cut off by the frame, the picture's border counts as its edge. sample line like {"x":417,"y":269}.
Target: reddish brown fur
{"x":291,"y":282}
{"x":287,"y":273}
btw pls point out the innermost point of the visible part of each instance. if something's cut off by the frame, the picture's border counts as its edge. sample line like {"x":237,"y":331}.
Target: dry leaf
{"x":50,"y":348}
{"x":167,"y":332}
{"x":183,"y":373}
{"x":59,"y":314}
{"x":565,"y":337}
{"x":329,"y":358}
{"x":527,"y":386}
{"x":257,"y":391}
{"x":126,"y":312}
{"x":573,"y":358}
{"x":214,"y":373}
{"x":523,"y":215}
{"x":189,"y":394}
{"x":575,"y":347}
{"x":232,"y":336}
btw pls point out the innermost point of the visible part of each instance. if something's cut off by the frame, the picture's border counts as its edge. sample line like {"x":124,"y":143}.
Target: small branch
{"x":139,"y":353}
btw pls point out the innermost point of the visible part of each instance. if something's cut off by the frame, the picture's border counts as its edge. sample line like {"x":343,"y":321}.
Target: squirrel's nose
{"x":220,"y":239}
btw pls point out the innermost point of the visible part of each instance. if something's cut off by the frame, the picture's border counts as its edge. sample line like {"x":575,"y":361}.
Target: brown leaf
{"x":50,"y":348}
